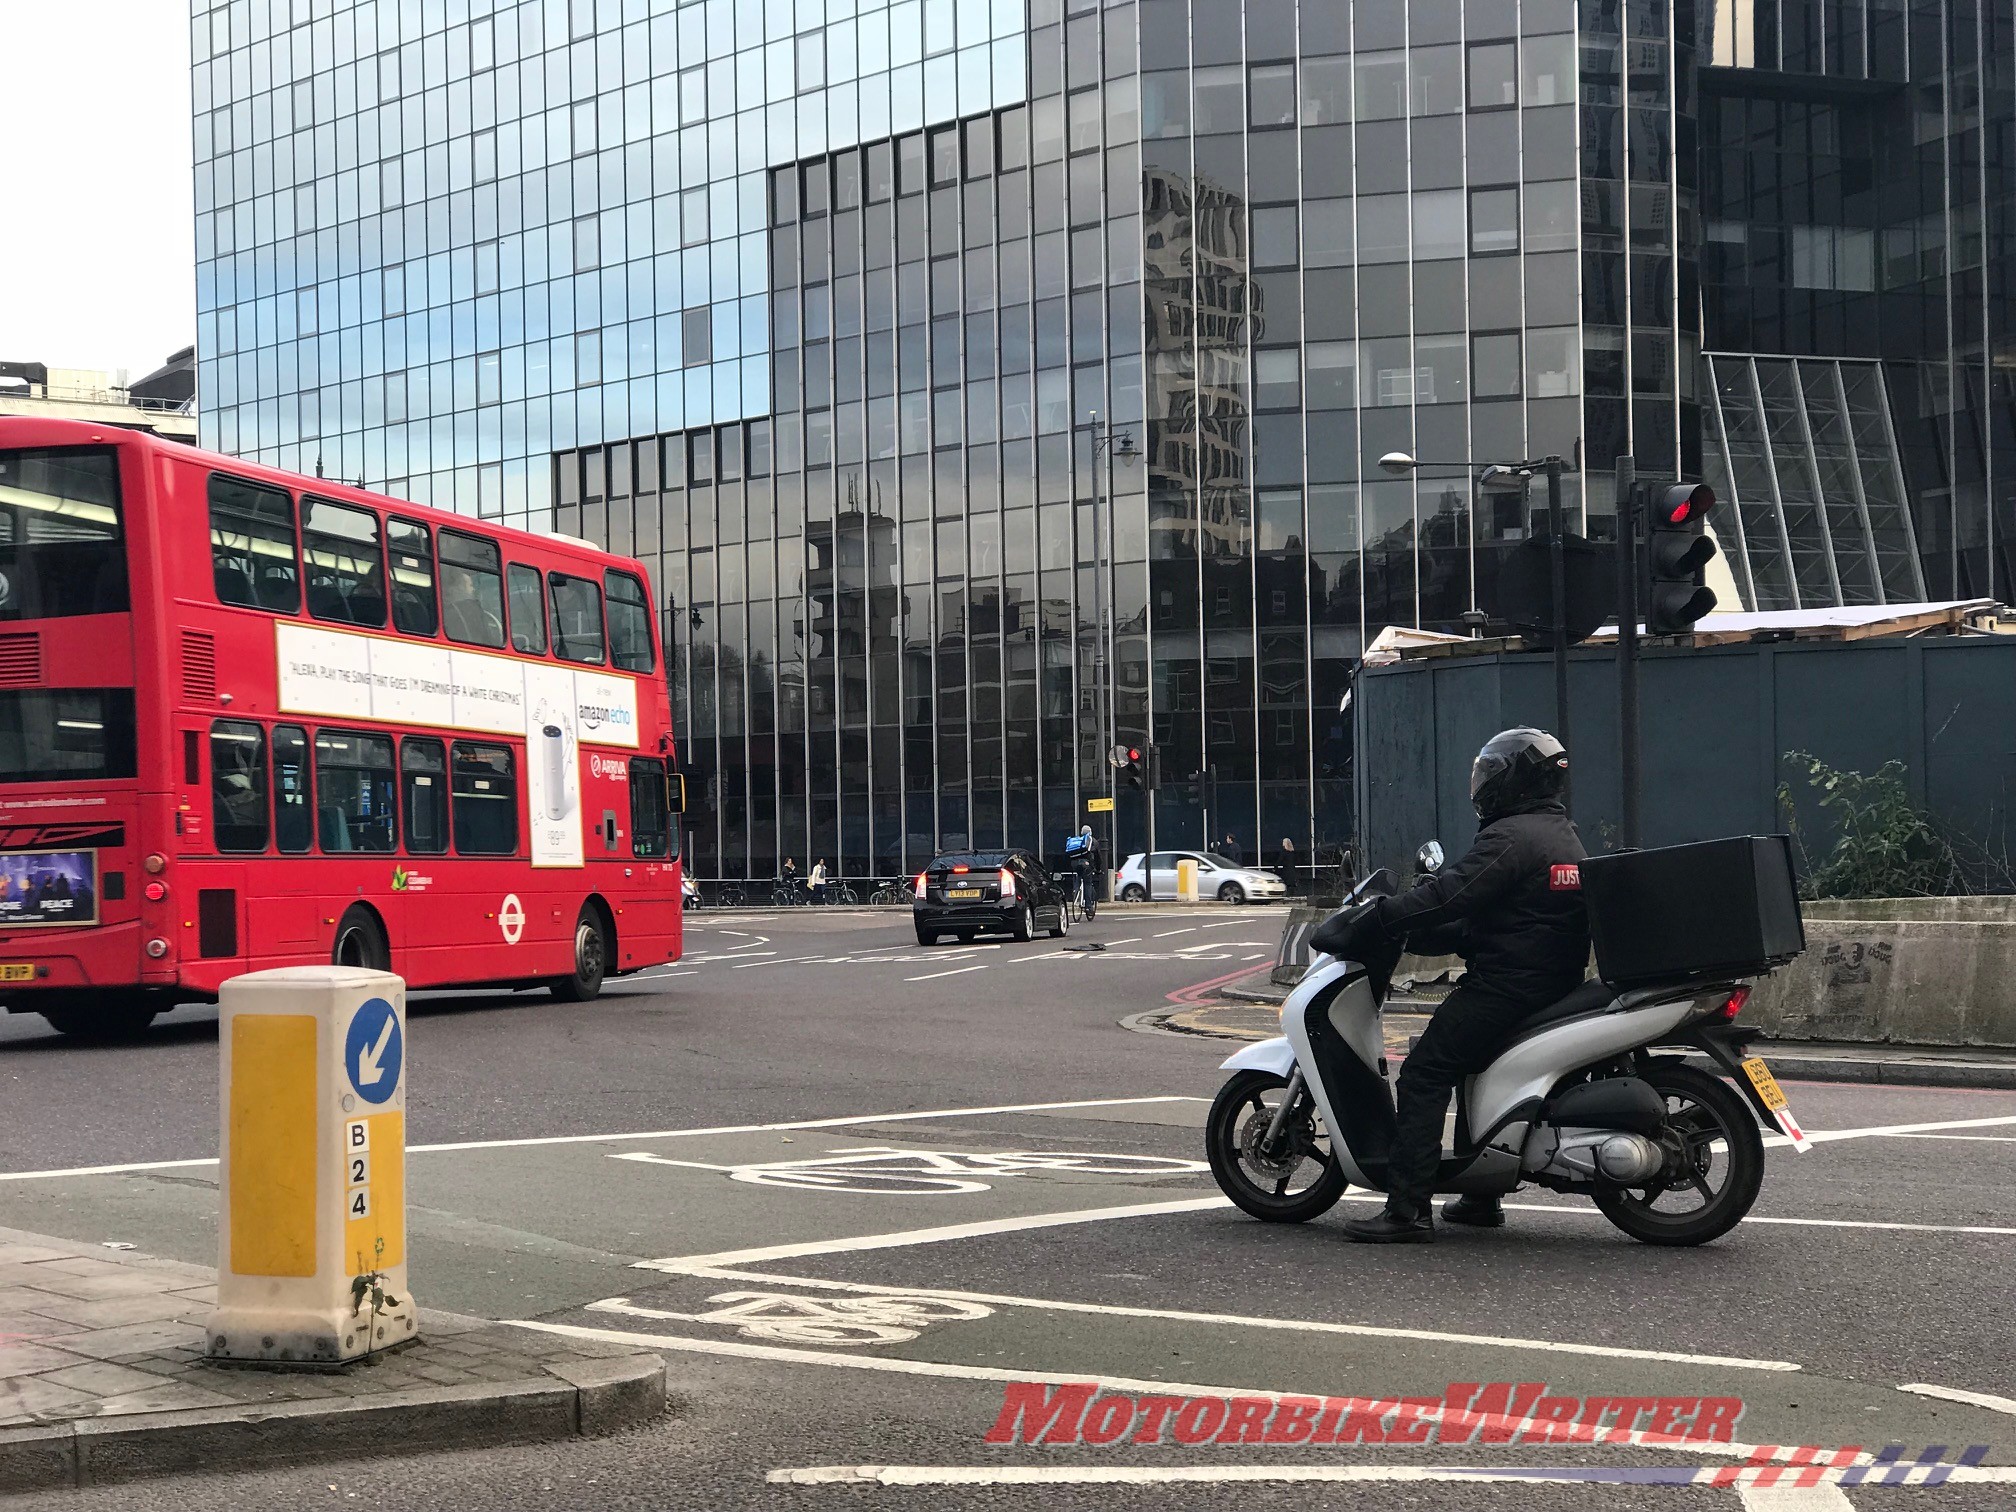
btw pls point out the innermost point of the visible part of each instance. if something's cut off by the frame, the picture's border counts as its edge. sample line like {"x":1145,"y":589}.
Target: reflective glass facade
{"x":843,"y":362}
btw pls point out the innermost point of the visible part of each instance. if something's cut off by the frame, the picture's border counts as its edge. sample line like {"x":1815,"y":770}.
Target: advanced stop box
{"x":1715,"y":910}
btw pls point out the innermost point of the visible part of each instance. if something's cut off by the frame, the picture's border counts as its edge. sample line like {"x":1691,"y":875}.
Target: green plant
{"x":371,"y":1283}
{"x":1885,"y":845}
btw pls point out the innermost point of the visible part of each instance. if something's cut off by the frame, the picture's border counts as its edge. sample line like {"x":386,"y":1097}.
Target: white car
{"x":1217,"y":877}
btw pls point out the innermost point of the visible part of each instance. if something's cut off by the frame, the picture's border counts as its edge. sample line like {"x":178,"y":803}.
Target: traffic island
{"x":103,"y":1378}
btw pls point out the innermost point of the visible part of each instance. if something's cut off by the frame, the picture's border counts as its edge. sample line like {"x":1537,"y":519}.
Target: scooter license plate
{"x":1766,"y":1084}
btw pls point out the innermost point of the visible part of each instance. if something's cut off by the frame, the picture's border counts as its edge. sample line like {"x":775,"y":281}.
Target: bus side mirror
{"x":675,"y":792}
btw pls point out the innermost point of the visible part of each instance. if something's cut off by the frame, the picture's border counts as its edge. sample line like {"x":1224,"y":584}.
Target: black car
{"x":966,"y":893}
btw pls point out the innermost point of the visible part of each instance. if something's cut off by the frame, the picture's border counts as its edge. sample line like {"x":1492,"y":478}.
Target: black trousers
{"x":1464,"y":1036}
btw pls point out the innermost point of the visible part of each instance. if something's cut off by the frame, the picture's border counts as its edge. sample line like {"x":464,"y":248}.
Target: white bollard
{"x":1186,"y":881}
{"x":311,"y":1264}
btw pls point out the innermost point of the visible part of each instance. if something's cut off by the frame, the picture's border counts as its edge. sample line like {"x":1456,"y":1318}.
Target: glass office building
{"x":889,"y":334}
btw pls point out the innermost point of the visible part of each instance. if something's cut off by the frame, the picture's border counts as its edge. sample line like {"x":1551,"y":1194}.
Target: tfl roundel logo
{"x":1565,"y":876}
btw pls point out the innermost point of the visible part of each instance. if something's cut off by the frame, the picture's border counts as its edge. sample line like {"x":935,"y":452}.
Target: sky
{"x":97,"y":250}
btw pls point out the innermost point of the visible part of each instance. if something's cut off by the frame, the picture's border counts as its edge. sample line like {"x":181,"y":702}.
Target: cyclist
{"x":1081,"y":854}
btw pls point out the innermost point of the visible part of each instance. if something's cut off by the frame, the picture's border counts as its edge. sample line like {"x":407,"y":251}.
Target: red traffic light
{"x":1133,"y":753}
{"x":1684,"y":503}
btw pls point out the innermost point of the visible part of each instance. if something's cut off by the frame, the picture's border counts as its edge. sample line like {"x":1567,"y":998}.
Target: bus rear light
{"x":156,"y":864}
{"x":156,"y":891}
{"x":1007,"y":883}
{"x":157,"y":948}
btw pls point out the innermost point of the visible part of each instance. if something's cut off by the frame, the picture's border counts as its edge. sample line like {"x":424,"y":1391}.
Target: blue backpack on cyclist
{"x":1077,"y":846}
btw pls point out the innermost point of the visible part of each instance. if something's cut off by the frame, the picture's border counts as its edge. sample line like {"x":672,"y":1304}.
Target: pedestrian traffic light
{"x":1677,"y":555}
{"x":1134,"y":770}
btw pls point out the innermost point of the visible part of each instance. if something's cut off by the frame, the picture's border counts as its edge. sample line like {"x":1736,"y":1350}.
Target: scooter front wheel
{"x":1292,"y":1181}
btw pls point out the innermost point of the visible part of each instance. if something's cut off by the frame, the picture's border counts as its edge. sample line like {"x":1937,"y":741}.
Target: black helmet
{"x":1515,"y":768}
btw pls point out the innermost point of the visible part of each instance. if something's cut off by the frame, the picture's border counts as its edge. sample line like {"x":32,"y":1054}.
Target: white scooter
{"x":1670,"y":1153}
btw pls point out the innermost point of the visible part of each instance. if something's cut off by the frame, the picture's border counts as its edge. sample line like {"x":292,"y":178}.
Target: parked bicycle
{"x":898,"y":890}
{"x":730,"y":895}
{"x":836,"y":893}
{"x":789,"y":893}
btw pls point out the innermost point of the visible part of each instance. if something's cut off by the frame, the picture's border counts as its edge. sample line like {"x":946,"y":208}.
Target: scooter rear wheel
{"x":1713,"y":1171}
{"x":1261,"y":1183}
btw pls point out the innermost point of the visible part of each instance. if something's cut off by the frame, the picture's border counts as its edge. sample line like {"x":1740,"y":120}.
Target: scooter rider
{"x":1512,"y":908}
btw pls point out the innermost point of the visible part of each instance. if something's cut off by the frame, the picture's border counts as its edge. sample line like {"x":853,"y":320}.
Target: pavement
{"x":862,"y":1197}
{"x":102,"y":1378}
{"x":1249,"y":1008}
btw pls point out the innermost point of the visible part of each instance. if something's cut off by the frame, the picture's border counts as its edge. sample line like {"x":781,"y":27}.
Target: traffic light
{"x":1677,"y":554}
{"x":1152,"y":767}
{"x":1134,"y":770}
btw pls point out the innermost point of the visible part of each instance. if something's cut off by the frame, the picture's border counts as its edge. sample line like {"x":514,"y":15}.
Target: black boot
{"x":1475,"y":1212}
{"x":1394,"y":1226}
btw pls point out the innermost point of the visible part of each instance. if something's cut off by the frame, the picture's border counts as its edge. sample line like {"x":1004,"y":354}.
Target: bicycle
{"x":898,"y":891}
{"x":1078,"y":906}
{"x":729,"y":895}
{"x":839,"y":894}
{"x":789,"y":893}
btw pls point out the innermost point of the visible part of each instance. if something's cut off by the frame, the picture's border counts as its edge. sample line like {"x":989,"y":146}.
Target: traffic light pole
{"x":1627,"y":649}
{"x":1557,"y":563}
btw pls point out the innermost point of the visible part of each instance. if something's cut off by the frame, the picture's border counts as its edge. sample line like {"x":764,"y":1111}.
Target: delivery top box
{"x":1715,"y":910}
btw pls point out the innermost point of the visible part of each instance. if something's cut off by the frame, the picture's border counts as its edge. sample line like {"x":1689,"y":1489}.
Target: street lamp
{"x":1400,"y":464}
{"x":1115,"y":444}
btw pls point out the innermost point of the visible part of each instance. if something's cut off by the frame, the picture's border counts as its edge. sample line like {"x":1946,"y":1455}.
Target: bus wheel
{"x":591,"y":959}
{"x":360,"y":941}
{"x":101,"y":1026}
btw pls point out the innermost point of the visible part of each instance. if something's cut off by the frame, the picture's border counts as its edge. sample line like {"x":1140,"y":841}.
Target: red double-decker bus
{"x":253,"y":719}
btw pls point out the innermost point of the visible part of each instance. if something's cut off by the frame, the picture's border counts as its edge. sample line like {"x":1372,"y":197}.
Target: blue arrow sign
{"x":373,"y":1051}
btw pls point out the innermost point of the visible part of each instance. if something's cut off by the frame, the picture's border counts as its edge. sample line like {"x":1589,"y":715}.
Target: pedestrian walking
{"x":819,"y":880}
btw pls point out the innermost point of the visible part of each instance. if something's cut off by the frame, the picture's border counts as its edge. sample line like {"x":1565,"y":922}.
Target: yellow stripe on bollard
{"x":273,"y":1155}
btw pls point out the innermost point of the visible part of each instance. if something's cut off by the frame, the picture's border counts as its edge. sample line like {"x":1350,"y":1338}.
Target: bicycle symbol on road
{"x":929,"y":1173}
{"x":786,"y":1319}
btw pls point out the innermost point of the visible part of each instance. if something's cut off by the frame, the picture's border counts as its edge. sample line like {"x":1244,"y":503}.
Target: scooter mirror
{"x":1428,"y":859}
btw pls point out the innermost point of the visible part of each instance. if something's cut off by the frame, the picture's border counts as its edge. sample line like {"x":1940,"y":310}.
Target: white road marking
{"x":1239,"y":1320}
{"x":574,"y":1139}
{"x":895,"y":1366}
{"x":1186,"y":929}
{"x":932,"y":976}
{"x":1129,"y":940}
{"x":1260,"y":956}
{"x":1884,"y":1131}
{"x":1579,"y":1211}
{"x":1971,"y":1398}
{"x":687,"y":1264}
{"x":1970,"y":1138}
{"x":1820,"y":1498}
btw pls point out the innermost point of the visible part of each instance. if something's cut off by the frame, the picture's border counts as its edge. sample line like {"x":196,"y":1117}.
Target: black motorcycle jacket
{"x":1511,"y":907}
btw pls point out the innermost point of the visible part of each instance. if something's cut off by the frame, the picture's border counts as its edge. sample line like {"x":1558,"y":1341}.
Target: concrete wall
{"x":1935,"y":971}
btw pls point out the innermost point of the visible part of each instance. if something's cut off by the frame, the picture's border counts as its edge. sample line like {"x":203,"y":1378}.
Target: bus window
{"x":577,"y":619}
{"x":346,"y":568}
{"x":423,"y":775}
{"x":60,"y":547}
{"x":252,"y":545}
{"x":293,"y":815}
{"x":472,"y":589}
{"x":354,"y":792}
{"x":650,"y":814}
{"x":629,"y":623}
{"x":412,"y":577}
{"x":238,"y":785}
{"x":528,"y":610}
{"x":67,"y":735}
{"x":486,"y":800}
